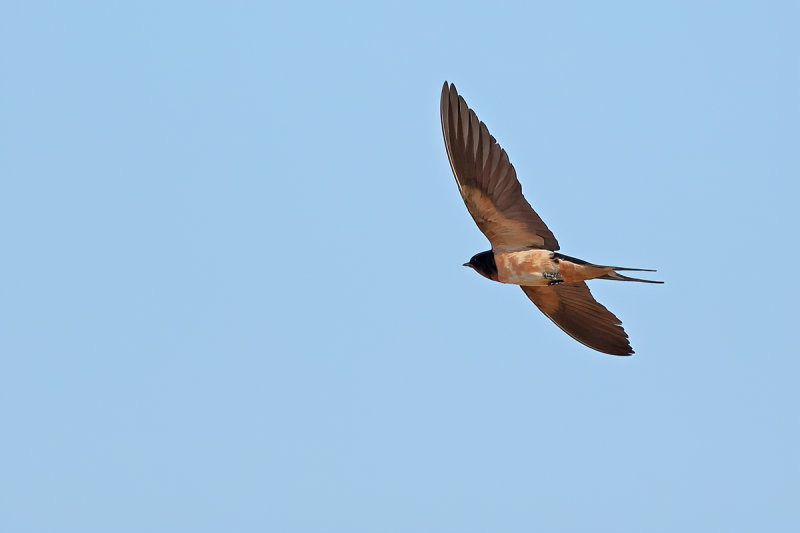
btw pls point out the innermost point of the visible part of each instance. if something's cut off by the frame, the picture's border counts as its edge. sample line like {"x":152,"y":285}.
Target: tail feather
{"x":636,"y":269}
{"x":619,"y":277}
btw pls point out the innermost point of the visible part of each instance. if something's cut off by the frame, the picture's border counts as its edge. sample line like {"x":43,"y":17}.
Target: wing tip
{"x":448,"y":89}
{"x":449,"y":95}
{"x":623,"y":351}
{"x":627,"y":353}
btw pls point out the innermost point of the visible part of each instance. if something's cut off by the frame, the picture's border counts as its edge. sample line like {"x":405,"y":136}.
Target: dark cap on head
{"x":483,"y":263}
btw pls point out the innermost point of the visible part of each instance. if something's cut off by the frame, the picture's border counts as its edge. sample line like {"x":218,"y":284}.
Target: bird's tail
{"x":619,"y":277}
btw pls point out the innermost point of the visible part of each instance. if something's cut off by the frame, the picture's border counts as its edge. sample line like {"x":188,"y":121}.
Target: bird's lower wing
{"x":573,"y":308}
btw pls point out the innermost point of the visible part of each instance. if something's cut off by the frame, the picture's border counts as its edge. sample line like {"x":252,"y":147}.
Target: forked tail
{"x":619,"y":277}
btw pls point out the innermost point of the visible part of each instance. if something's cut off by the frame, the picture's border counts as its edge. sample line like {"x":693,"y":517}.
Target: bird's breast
{"x":526,"y":267}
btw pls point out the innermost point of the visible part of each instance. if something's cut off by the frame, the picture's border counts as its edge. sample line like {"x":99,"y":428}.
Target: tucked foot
{"x":553,"y":277}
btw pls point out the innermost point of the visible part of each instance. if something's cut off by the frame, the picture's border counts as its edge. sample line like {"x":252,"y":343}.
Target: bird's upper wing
{"x":488,"y":182}
{"x":573,"y":308}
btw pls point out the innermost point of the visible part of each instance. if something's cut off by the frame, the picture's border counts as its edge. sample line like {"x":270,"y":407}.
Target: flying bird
{"x":524,"y":251}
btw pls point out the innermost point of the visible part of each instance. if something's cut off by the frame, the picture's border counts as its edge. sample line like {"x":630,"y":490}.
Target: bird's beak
{"x":466,"y":265}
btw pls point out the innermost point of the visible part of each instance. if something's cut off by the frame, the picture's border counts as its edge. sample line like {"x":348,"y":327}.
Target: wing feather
{"x":572,"y":308}
{"x":488,"y":182}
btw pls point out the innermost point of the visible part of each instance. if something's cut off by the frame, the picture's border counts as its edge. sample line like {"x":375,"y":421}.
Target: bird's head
{"x":483,"y":263}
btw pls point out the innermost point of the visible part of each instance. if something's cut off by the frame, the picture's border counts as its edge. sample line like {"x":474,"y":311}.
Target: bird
{"x":524,"y":251}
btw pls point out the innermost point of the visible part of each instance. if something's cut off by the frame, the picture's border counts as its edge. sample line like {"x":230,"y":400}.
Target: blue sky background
{"x":232,"y":293}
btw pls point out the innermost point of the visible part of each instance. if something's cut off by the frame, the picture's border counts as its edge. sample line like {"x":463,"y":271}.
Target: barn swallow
{"x":524,"y":251}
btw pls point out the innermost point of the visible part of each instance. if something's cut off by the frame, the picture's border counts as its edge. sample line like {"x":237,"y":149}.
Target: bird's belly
{"x":527,"y":267}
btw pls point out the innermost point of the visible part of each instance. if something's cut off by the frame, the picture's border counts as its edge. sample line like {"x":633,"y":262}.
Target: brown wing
{"x":488,"y":182}
{"x":573,"y":308}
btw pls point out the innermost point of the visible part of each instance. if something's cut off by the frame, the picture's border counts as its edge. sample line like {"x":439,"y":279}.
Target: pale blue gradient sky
{"x":232,"y":292}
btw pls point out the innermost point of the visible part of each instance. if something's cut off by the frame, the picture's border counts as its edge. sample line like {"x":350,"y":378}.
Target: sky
{"x":232,"y":296}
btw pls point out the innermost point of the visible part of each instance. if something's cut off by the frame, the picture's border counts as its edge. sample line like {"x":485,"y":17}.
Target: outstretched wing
{"x":573,"y":308}
{"x":488,"y":182}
